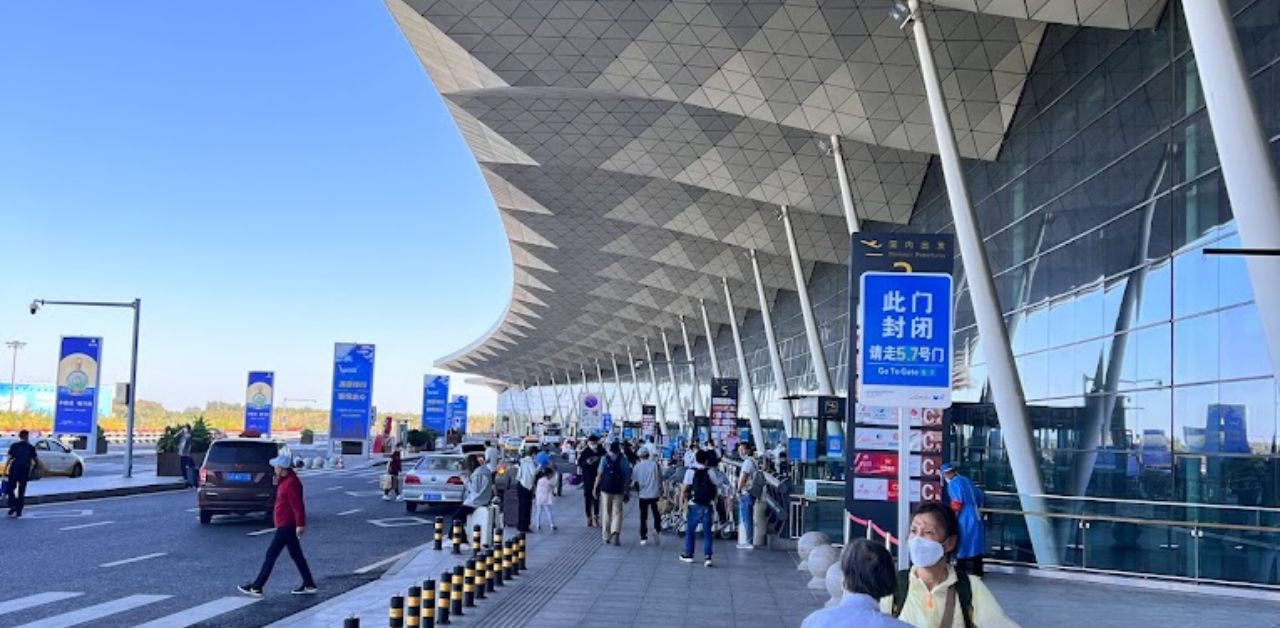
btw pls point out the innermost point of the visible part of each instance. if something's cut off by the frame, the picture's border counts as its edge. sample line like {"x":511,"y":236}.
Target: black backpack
{"x":964,"y":591}
{"x":704,"y":490}
{"x":611,"y":480}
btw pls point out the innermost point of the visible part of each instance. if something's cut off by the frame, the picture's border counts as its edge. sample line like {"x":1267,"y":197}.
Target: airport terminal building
{"x":679,"y":181}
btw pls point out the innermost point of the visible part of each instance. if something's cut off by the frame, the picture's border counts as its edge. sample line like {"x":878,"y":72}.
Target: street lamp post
{"x":13,"y":370}
{"x":136,"y":306}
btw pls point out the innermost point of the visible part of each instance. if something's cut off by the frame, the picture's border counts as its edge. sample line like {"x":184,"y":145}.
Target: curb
{"x":409,"y":556}
{"x":33,"y":500}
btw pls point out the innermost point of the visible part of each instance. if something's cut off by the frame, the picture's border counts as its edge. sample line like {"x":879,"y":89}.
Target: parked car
{"x":434,"y":479}
{"x":236,"y":477}
{"x":55,"y":458}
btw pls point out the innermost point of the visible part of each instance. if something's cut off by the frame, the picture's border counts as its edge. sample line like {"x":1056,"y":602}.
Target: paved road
{"x":77,"y":548}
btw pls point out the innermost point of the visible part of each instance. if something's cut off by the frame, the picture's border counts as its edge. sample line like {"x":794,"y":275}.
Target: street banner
{"x":648,"y":420}
{"x":352,"y":405}
{"x":258,"y":402}
{"x":724,"y":407}
{"x":590,"y":412}
{"x":435,"y":403}
{"x":77,"y":396}
{"x":458,"y":414}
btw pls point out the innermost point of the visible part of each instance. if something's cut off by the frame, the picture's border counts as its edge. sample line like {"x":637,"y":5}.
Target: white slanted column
{"x":542,"y":401}
{"x":1006,"y":388}
{"x":617,"y":384}
{"x":746,"y":391}
{"x":657,"y":394}
{"x":775,"y":358}
{"x":846,"y":193}
{"x":564,"y":421}
{"x":816,"y":357}
{"x":671,"y":375}
{"x":694,"y":395}
{"x":711,"y":339}
{"x":635,"y":383}
{"x":1245,"y":155}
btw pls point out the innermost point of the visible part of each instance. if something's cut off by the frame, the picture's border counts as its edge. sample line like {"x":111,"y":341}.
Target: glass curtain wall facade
{"x":1150,"y":390}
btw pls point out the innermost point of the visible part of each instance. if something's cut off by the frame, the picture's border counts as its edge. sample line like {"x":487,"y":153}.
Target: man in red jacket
{"x":290,"y":521}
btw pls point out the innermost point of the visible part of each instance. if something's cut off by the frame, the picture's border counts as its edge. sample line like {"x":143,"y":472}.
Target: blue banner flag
{"x":458,"y":414}
{"x":352,"y":391}
{"x":435,"y":403}
{"x":77,"y":396}
{"x":905,"y":358}
{"x":259,"y":402}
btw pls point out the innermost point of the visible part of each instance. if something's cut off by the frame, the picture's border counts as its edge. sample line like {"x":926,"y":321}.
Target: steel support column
{"x":816,"y":356}
{"x":846,"y":192}
{"x":694,"y":397}
{"x":711,"y":339}
{"x":617,"y":384}
{"x":1244,"y":152}
{"x":675,"y":386}
{"x":635,"y":382}
{"x":657,"y":394}
{"x":744,"y":375}
{"x":559,"y":413}
{"x":775,"y":358}
{"x":1006,"y":388}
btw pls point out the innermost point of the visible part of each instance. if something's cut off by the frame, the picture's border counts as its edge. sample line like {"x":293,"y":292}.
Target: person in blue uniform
{"x":966,"y":500}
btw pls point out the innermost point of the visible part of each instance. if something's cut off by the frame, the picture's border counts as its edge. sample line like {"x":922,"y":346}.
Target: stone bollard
{"x":821,"y":559}
{"x":806,"y":544}
{"x":835,"y":584}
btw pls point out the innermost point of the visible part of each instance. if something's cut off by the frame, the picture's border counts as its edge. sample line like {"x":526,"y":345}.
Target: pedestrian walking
{"x":391,"y":480}
{"x":749,"y":488}
{"x":698,"y":496}
{"x":932,"y":594}
{"x":868,"y":574}
{"x":611,"y":488}
{"x":648,"y":481}
{"x":629,"y":451}
{"x":22,"y":464}
{"x":184,"y":457}
{"x":544,"y":498}
{"x":526,"y":481}
{"x":290,"y":518}
{"x":477,"y":491}
{"x":966,"y":500}
{"x":588,"y":466}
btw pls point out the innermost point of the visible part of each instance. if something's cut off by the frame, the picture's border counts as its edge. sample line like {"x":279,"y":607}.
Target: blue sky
{"x":269,"y":177}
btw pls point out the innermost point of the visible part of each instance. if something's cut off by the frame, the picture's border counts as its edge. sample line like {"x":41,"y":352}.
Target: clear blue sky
{"x":269,"y":177}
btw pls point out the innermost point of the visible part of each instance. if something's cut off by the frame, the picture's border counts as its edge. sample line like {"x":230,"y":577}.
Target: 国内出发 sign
{"x":905,"y":357}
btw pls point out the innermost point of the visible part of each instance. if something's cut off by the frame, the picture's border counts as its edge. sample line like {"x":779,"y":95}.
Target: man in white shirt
{"x":648,"y":480}
{"x":526,"y":480}
{"x":748,"y":492}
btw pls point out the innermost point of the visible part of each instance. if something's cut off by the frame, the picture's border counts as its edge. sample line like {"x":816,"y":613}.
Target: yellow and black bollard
{"x":481,"y":575}
{"x":523,"y":552}
{"x":455,"y":597}
{"x":469,"y":584}
{"x":507,"y":551}
{"x":413,"y":607}
{"x":497,"y":565}
{"x":438,"y":537}
{"x":475,"y":540}
{"x":429,"y":603}
{"x":351,"y":622}
{"x":491,"y":581}
{"x":396,"y":613}
{"x":456,"y":536}
{"x":497,"y":537}
{"x":442,"y":602}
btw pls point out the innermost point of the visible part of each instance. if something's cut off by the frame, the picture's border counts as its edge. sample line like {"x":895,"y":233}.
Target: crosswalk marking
{"x":133,"y":560}
{"x":197,"y":614}
{"x":261,"y":532}
{"x":350,"y":512}
{"x":87,"y":525}
{"x":23,"y":603}
{"x":97,"y":611}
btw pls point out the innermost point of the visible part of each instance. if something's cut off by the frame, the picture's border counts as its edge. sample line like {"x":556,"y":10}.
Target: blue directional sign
{"x":905,"y":357}
{"x":435,"y":403}
{"x":77,"y":396}
{"x":458,"y":414}
{"x":606,"y":422}
{"x":352,"y":391}
{"x":258,"y":402}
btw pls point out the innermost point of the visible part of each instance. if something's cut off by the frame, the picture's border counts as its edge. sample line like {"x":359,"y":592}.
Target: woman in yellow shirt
{"x":934,"y":590}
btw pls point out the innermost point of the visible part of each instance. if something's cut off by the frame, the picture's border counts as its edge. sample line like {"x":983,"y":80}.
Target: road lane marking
{"x":350,"y":512}
{"x":385,"y":561}
{"x":261,"y":532}
{"x":23,"y":603}
{"x":133,"y":560}
{"x":193,"y":510}
{"x":333,"y":488}
{"x":60,"y":514}
{"x":363,"y":493}
{"x":88,"y":525}
{"x":400,"y":522}
{"x":197,"y":614}
{"x":97,"y":611}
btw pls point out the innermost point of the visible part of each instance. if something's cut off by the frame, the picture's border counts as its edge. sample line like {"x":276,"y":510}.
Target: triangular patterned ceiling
{"x":636,"y":150}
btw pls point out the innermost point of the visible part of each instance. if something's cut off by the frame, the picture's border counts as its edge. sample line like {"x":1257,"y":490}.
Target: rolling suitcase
{"x":511,"y":507}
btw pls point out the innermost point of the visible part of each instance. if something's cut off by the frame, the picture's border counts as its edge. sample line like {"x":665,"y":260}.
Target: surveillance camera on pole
{"x":35,"y":306}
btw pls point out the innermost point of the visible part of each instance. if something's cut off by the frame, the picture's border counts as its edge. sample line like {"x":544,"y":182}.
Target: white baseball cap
{"x":281,"y":462}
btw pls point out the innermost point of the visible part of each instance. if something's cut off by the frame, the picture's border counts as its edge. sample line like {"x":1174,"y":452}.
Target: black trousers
{"x":460,"y":515}
{"x":590,"y":503}
{"x":526,"y":508}
{"x":649,"y":506}
{"x":286,"y":537}
{"x":17,"y":495}
{"x":971,"y":566}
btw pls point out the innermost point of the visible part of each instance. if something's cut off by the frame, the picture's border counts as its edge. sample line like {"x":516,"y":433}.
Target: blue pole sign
{"x":258,"y":402}
{"x":435,"y":403}
{"x":606,"y":422}
{"x":905,"y":357}
{"x":835,"y":445}
{"x":458,"y":414}
{"x":352,"y":391}
{"x":77,"y":396}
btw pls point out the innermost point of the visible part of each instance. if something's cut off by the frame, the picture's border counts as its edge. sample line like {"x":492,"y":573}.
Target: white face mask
{"x":924,"y":552}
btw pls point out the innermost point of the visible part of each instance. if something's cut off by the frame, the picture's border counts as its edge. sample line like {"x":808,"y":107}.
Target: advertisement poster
{"x":435,"y":403}
{"x":884,"y":490}
{"x":590,"y":412}
{"x":77,"y":385}
{"x":258,"y":402}
{"x":352,"y":403}
{"x":648,"y":420}
{"x":724,"y":407}
{"x":458,"y":414}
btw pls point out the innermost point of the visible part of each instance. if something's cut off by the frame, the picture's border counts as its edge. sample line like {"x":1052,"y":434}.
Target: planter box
{"x":169,"y":465}
{"x":100,"y":447}
{"x":307,"y":439}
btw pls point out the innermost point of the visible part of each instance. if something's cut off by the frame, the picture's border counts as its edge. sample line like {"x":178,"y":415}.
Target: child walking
{"x":544,"y":496}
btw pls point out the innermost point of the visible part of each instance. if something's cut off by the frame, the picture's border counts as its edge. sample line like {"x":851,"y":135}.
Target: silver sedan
{"x":55,"y":458}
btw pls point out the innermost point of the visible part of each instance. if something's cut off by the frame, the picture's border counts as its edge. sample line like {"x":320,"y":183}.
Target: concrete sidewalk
{"x":58,"y":489}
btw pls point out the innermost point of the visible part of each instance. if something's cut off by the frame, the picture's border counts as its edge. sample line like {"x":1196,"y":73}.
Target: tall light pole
{"x":136,"y":306}
{"x":13,"y":370}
